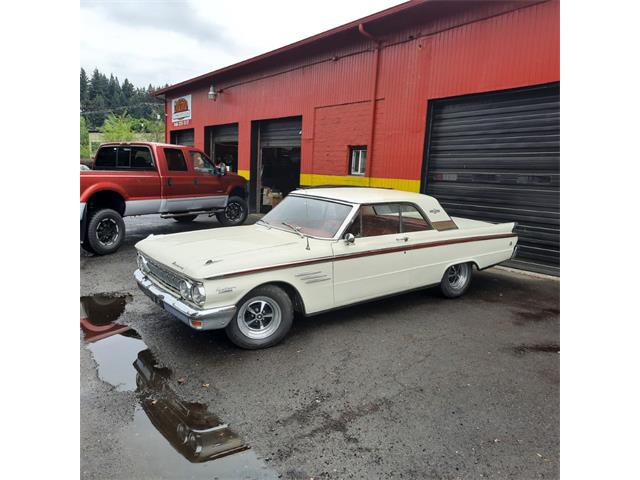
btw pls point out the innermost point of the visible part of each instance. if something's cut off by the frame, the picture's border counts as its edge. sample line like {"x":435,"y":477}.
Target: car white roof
{"x":364,"y":194}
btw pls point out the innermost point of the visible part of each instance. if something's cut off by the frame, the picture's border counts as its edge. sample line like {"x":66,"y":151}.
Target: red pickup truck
{"x":143,"y":178}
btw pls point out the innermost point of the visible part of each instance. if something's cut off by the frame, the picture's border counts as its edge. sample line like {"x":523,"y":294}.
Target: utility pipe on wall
{"x":374,"y":94}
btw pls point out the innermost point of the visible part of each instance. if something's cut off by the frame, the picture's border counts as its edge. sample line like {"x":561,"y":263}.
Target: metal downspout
{"x":374,"y":95}
{"x":166,"y":121}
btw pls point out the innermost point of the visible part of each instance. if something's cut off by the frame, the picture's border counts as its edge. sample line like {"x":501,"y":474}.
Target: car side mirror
{"x":349,"y":239}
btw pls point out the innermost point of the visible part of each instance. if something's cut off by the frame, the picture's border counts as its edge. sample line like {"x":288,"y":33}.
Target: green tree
{"x":84,"y":89}
{"x":118,"y":128}
{"x":156,"y":129}
{"x":85,"y":148}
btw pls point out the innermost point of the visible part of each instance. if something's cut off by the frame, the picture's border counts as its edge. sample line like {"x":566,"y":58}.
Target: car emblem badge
{"x":434,"y":211}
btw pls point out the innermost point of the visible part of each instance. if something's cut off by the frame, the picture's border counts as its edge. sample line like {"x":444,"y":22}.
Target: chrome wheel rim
{"x":107,"y":232}
{"x":259,"y":318}
{"x":457,"y":276}
{"x":233,"y":212}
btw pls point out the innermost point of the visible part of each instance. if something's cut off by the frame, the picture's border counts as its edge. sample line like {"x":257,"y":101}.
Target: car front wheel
{"x":456,"y":280}
{"x":263,"y":318}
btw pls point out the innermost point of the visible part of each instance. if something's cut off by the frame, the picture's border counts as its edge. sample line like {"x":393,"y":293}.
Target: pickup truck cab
{"x":141,"y":178}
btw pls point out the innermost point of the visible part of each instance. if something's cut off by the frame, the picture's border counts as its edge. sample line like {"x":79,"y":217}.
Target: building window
{"x":358,"y":156}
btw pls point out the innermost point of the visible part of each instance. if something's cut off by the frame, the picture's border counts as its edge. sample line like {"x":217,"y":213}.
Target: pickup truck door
{"x":178,"y":189}
{"x":208,"y":184}
{"x":375,"y":264}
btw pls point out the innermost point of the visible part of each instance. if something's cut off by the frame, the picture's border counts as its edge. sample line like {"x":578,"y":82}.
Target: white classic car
{"x":318,"y":250}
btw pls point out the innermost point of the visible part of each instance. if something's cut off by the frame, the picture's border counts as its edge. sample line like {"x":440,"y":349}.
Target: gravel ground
{"x":416,"y":386}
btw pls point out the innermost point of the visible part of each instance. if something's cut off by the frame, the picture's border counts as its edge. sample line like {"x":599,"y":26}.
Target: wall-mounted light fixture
{"x":213,"y":93}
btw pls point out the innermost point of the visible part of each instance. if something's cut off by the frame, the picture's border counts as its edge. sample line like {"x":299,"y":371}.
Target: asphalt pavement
{"x":416,"y":386}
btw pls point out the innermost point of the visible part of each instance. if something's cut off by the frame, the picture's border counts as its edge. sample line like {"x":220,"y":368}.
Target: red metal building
{"x":459,"y":99}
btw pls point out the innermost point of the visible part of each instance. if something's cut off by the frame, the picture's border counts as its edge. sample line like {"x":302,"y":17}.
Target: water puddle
{"x":176,"y":439}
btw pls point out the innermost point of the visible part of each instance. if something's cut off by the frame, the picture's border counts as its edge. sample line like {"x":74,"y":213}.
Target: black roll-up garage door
{"x":496,"y":157}
{"x":182,"y":137}
{"x":282,"y":132}
{"x":225,"y":133}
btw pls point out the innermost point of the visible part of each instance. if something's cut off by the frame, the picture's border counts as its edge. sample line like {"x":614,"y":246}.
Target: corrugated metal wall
{"x":490,"y":50}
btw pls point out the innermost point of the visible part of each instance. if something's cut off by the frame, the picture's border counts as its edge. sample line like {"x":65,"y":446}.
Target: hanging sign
{"x":181,"y":110}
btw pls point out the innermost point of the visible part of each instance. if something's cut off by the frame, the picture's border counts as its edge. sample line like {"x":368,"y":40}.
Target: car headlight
{"x":182,"y":432}
{"x":143,"y":264}
{"x":194,"y":443}
{"x":198,"y":294}
{"x":185,"y":289}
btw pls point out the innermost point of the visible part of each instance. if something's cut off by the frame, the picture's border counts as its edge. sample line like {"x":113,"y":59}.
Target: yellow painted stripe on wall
{"x":396,"y":183}
{"x":244,"y":173}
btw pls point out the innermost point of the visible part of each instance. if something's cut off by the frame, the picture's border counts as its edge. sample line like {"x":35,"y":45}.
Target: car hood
{"x":208,"y":253}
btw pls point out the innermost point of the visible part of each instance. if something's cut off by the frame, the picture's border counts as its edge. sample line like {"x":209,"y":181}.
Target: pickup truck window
{"x":175,"y":160}
{"x":201,"y":163}
{"x":124,"y":158}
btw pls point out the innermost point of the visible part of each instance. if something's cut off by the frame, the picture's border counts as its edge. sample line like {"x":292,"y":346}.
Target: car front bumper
{"x":198,"y":319}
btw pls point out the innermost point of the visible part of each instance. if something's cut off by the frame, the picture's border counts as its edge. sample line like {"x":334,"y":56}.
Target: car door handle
{"x":195,"y":181}
{"x":402,"y":239}
{"x":169,"y":182}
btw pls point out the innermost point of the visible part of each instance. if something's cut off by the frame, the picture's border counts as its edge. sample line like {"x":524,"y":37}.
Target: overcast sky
{"x":168,"y":41}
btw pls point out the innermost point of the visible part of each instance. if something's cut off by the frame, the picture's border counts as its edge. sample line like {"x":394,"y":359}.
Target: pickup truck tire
{"x":105,"y":232}
{"x":264,"y":317}
{"x":456,"y":280}
{"x":185,"y":218}
{"x":235,"y":214}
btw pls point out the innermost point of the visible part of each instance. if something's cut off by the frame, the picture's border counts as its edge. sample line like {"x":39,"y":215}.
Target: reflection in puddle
{"x":98,"y":314}
{"x":163,"y":424}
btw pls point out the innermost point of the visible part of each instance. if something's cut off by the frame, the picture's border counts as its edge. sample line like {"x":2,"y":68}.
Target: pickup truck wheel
{"x":105,"y":231}
{"x":263,"y":318}
{"x":456,"y":280}
{"x":235,"y":213}
{"x":185,"y":218}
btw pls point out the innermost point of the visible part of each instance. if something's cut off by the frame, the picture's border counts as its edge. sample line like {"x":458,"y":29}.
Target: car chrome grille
{"x":164,"y":276}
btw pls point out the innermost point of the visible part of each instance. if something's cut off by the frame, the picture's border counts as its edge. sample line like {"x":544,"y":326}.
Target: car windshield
{"x":310,"y":216}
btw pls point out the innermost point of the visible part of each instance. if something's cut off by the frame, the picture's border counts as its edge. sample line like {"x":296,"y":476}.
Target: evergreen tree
{"x":102,"y":95}
{"x":84,"y":89}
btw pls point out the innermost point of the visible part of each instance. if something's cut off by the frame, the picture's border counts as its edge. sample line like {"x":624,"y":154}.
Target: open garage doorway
{"x":275,"y":169}
{"x":221,"y":144}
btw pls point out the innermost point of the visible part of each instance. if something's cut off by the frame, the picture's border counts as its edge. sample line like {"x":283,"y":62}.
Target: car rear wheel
{"x":263,"y":318}
{"x":105,"y":232}
{"x":185,"y":218}
{"x":235,"y":213}
{"x":456,"y":280}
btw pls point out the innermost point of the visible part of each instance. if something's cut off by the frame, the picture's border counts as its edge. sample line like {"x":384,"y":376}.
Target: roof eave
{"x":301,"y":43}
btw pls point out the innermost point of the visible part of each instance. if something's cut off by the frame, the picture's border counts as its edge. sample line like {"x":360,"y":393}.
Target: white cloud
{"x":162,"y":42}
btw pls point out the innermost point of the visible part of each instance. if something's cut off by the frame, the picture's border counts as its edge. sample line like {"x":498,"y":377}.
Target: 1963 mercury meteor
{"x":319,"y":249}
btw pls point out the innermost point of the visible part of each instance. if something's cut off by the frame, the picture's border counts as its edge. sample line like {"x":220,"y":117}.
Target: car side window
{"x":175,"y":160}
{"x":411,"y":220}
{"x":375,"y":220}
